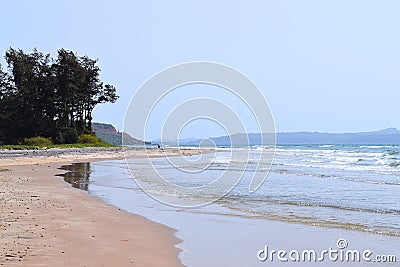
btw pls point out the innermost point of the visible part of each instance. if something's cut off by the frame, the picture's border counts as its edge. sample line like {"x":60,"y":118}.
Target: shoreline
{"x":45,"y":224}
{"x":211,"y":236}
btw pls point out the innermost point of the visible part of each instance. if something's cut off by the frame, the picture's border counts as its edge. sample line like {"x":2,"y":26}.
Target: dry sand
{"x":45,"y":222}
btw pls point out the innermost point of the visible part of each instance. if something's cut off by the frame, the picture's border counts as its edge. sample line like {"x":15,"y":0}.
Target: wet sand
{"x":45,"y":222}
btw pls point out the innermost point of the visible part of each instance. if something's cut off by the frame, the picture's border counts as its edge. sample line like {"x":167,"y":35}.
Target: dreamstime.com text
{"x":338,"y":254}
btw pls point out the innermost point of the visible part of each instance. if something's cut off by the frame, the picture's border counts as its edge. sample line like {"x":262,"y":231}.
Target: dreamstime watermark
{"x":340,"y":253}
{"x":144,"y":102}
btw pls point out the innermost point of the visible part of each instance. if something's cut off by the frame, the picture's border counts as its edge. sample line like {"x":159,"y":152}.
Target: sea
{"x":316,"y":190}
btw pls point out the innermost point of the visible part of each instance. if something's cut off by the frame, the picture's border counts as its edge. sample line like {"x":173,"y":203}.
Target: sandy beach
{"x":45,"y":222}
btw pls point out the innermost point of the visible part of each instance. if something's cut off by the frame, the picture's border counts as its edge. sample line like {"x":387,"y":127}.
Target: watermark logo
{"x":157,"y":183}
{"x":341,"y":243}
{"x":340,"y":253}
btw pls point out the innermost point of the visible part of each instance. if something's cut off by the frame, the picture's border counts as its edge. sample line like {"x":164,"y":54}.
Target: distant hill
{"x":386,"y":136}
{"x":109,"y":134}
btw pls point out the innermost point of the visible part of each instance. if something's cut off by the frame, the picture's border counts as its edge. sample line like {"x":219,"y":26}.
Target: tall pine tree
{"x":41,"y":96}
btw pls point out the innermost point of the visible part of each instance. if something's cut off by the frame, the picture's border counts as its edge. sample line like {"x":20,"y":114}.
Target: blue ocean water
{"x":341,"y":186}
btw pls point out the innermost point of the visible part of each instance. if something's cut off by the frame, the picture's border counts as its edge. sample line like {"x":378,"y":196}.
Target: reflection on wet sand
{"x":78,"y":175}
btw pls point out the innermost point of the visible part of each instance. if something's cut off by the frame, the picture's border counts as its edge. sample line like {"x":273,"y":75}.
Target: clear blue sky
{"x":329,"y":66}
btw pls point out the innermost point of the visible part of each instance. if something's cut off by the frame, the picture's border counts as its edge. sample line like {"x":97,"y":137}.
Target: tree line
{"x":49,"y":97}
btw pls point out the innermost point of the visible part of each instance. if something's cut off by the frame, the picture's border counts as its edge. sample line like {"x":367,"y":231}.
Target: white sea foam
{"x":221,"y":160}
{"x":375,"y":146}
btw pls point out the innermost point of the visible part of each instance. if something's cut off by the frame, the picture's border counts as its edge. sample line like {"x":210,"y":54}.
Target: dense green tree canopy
{"x":42,"y":96}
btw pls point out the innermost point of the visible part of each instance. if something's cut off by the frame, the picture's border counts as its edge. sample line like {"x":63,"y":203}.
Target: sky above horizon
{"x":326,"y":66}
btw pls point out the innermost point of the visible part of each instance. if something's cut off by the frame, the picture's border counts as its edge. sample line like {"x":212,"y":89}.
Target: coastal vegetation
{"x":84,"y":140}
{"x":47,"y":101}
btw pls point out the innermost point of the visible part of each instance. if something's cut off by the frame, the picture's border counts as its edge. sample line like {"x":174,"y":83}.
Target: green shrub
{"x":59,"y":138}
{"x":38,"y":141}
{"x":70,"y":136}
{"x":89,"y":139}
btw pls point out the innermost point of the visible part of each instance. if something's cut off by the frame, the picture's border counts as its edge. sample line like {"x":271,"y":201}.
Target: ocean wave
{"x":372,"y":146}
{"x":330,"y":222}
{"x":326,"y":146}
{"x":394,"y":164}
{"x":262,"y":201}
